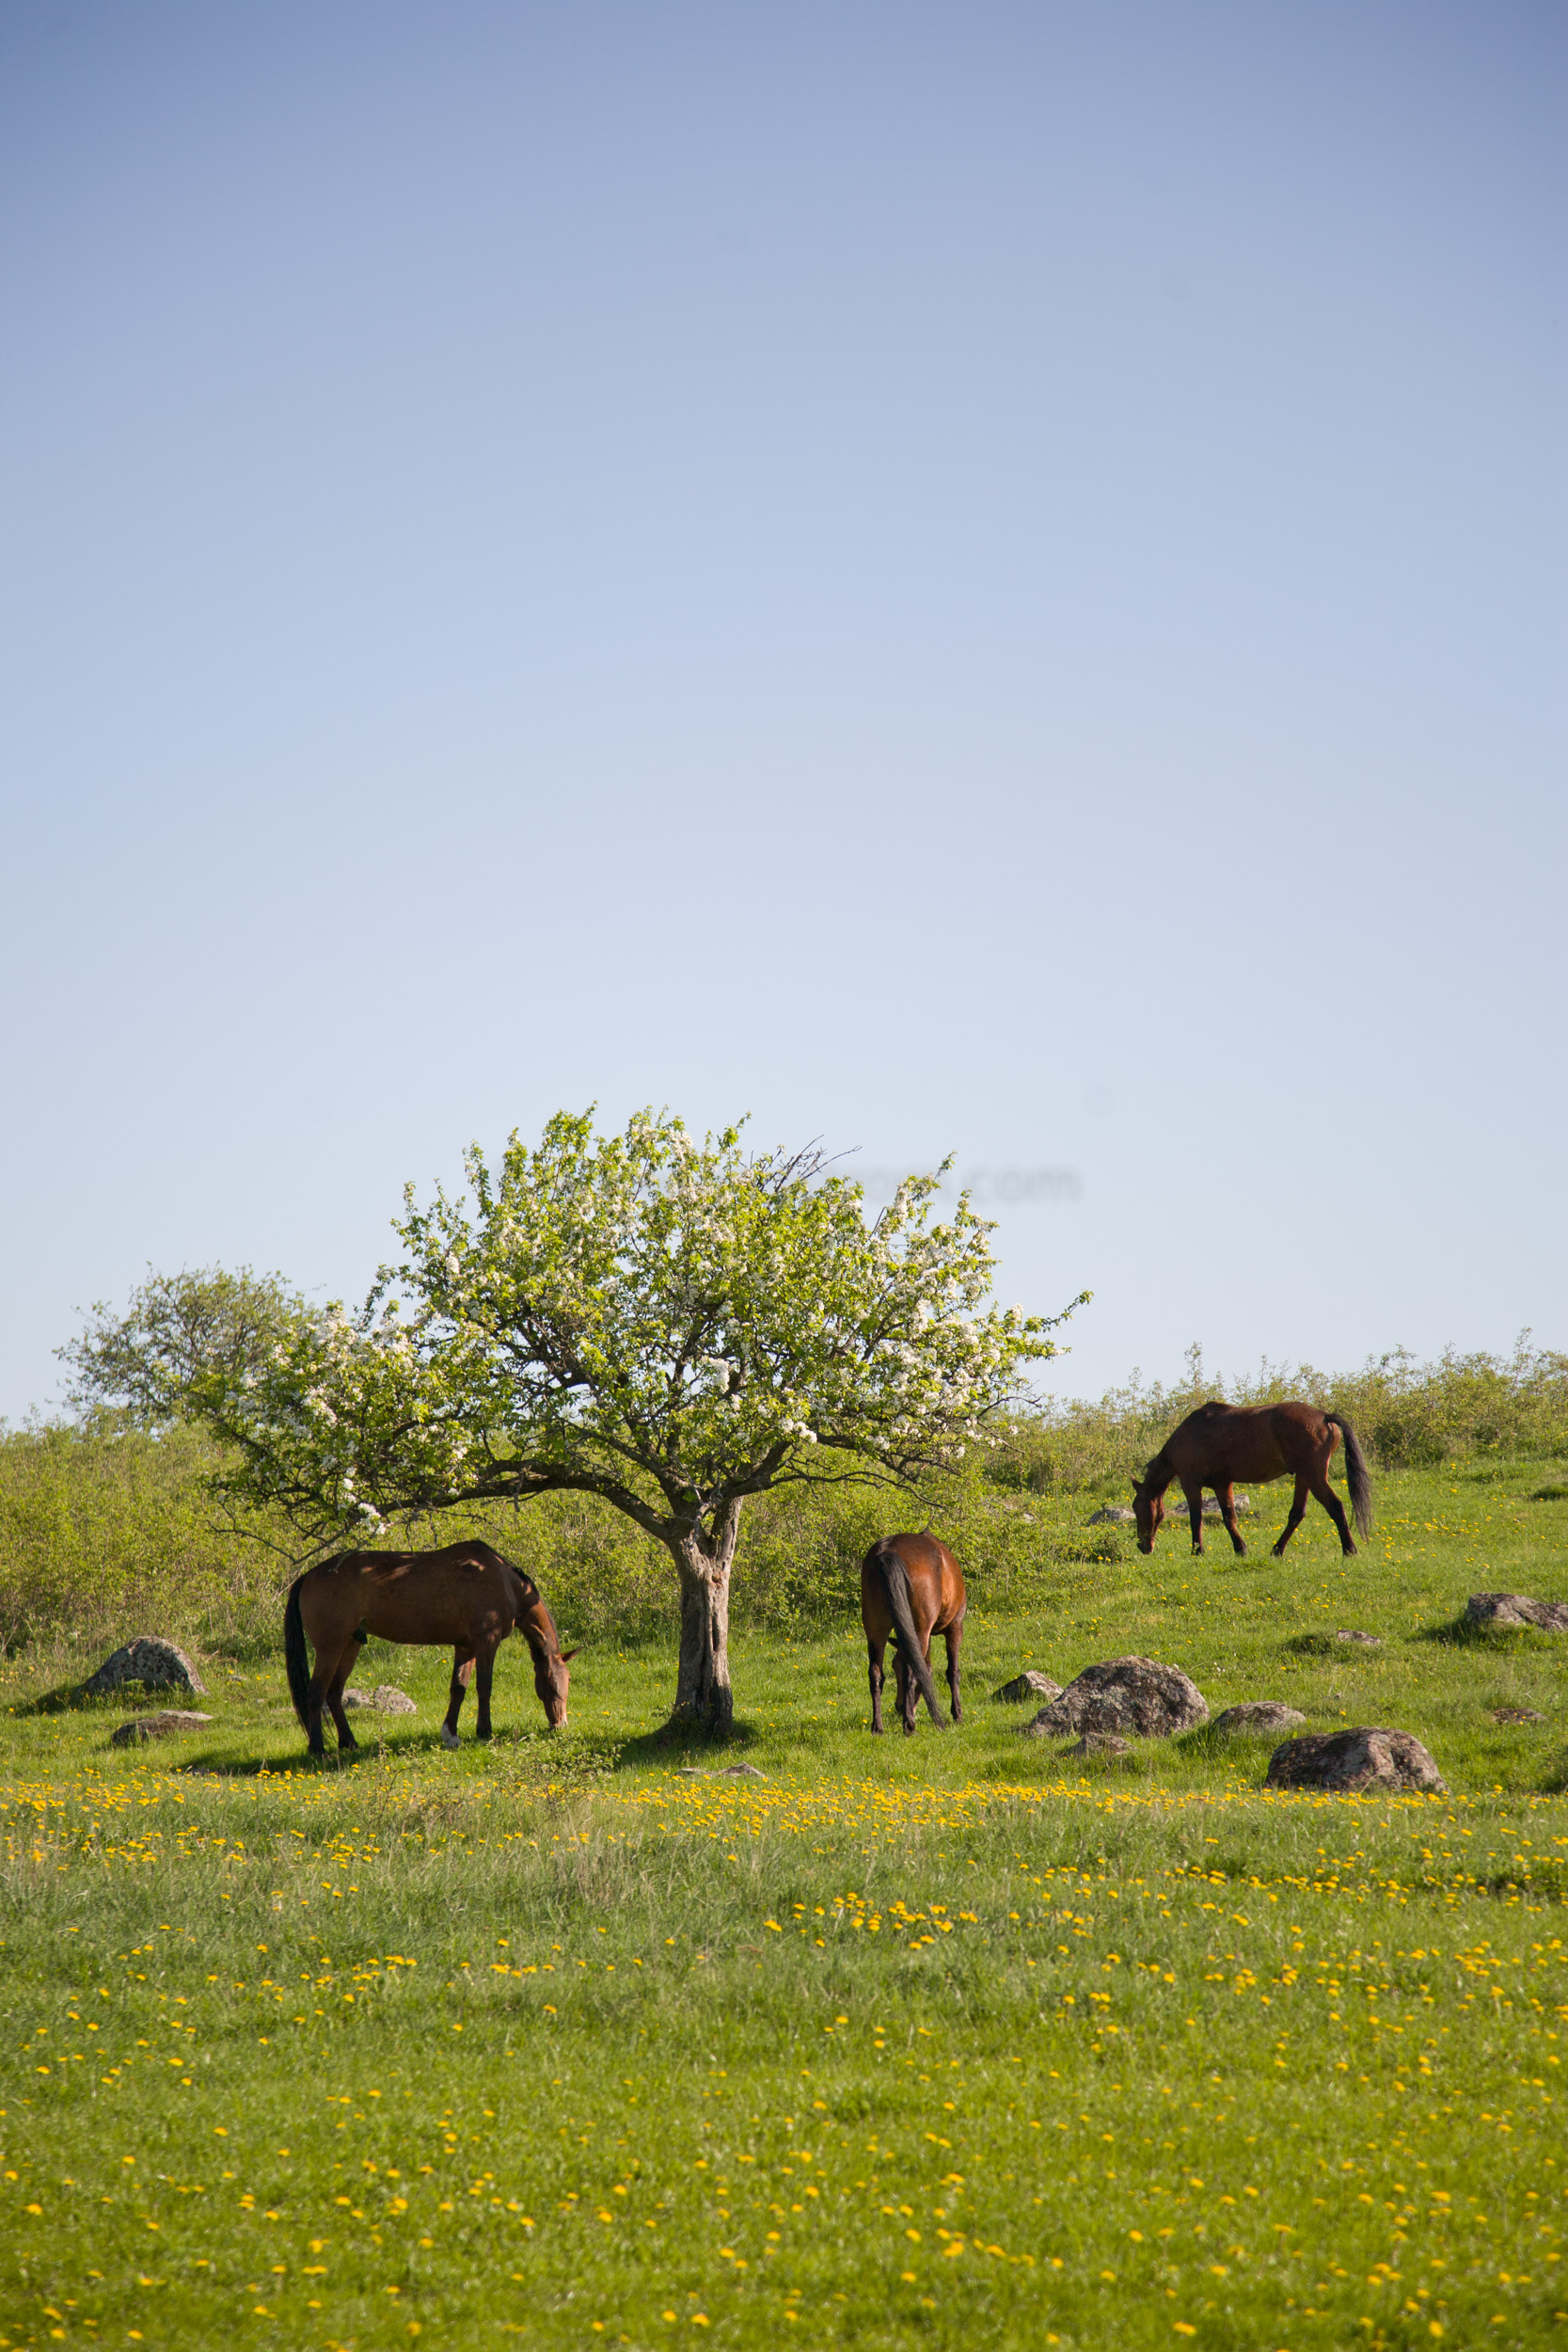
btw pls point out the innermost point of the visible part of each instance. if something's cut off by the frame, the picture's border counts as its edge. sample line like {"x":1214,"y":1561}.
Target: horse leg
{"x":1335,"y":1510}
{"x":485,"y":1663}
{"x":875,"y":1649}
{"x":954,"y":1636}
{"x":462,"y":1667}
{"x":1298,"y":1512}
{"x":1228,"y":1512}
{"x":1195,"y":1513}
{"x":908,"y":1692}
{"x":321,"y":1682}
{"x":335,"y":1695}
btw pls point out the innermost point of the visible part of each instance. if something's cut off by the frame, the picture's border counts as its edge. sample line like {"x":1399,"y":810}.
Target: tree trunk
{"x":705,"y":1701}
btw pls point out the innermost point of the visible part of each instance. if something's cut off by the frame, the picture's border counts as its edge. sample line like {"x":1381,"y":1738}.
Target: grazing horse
{"x":467,"y":1594}
{"x":911,"y":1588}
{"x":1220,"y":1443}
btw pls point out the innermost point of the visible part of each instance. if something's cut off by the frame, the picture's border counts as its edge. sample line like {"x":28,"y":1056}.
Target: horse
{"x":467,"y":1594}
{"x":1220,"y":1443}
{"x":911,"y":1588}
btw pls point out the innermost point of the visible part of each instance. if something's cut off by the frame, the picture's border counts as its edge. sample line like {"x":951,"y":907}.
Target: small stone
{"x":1516,"y":1609}
{"x":1517,"y":1715}
{"x":1372,"y":1641}
{"x":387,"y":1699}
{"x":158,"y":1664}
{"x":1100,"y":1743}
{"x":166,"y":1726}
{"x":750,"y":1771}
{"x":1113,"y":1515}
{"x":1121,"y":1694}
{"x":1030,"y":1684}
{"x":1257,"y":1718}
{"x":1210,"y":1507}
{"x":1355,"y":1760}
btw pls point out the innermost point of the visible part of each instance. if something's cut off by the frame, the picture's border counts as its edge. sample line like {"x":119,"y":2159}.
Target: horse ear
{"x":567,"y":1655}
{"x":1135,"y":1487}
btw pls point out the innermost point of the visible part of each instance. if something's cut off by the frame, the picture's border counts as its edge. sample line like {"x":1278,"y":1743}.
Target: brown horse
{"x":911,"y":1588}
{"x":1220,"y":1443}
{"x":467,"y":1594}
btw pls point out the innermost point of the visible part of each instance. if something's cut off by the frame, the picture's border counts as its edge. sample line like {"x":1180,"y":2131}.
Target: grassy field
{"x":943,"y":2041}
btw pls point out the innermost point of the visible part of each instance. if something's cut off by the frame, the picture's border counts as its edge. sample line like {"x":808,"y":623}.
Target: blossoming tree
{"x":669,"y":1325}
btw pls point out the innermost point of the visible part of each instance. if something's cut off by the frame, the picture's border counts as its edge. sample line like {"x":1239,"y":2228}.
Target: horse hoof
{"x":449,"y":1736}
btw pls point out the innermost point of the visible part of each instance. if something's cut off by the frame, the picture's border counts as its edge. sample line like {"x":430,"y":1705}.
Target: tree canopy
{"x":672,"y":1325}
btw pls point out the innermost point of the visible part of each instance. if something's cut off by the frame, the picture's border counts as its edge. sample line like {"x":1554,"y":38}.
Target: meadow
{"x":579,"y":2039}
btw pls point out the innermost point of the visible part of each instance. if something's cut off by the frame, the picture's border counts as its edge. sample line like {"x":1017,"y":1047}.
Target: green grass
{"x":554,"y":2040}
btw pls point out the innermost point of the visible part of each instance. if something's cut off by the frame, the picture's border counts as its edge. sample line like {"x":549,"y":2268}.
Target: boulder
{"x":164,"y":1725}
{"x":1257,"y":1719}
{"x":385,"y":1699}
{"x":1113,"y":1515}
{"x":1517,"y":1715}
{"x":1515,"y":1609}
{"x":1125,"y":1694}
{"x":1030,"y":1684}
{"x":1210,"y":1507}
{"x":1362,"y":1758}
{"x":159,"y":1664}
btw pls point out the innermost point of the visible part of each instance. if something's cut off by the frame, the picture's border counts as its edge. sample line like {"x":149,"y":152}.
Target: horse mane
{"x":537,"y":1606}
{"x":1157,"y":1473}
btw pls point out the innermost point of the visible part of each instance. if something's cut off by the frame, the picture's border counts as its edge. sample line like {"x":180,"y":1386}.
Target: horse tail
{"x":1357,"y":1474}
{"x":295,"y":1655}
{"x":884,"y":1557}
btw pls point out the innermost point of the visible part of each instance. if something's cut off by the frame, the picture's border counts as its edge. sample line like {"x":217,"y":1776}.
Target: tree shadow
{"x":216,"y":1765}
{"x":70,"y":1698}
{"x":1463,"y":1632}
{"x":677,"y":1747}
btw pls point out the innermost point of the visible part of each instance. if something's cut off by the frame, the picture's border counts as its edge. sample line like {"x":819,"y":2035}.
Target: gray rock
{"x":721,"y":1772}
{"x":1517,"y":1715}
{"x":1256,"y":1719}
{"x":1100,"y":1743}
{"x":1210,"y":1507}
{"x":148,"y":1660}
{"x":1113,"y":1515}
{"x":1362,"y":1758}
{"x":1125,"y":1694}
{"x":1030,"y":1684}
{"x":166,"y":1726}
{"x":387,"y":1699}
{"x":1515,"y":1609}
{"x":1371,"y":1640}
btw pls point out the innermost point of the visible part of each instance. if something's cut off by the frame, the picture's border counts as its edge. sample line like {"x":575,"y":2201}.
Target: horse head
{"x":1148,"y":1509}
{"x":551,"y":1679}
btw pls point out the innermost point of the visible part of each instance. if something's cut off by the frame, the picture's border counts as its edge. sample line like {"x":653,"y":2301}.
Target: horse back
{"x":453,"y":1595}
{"x":936,"y":1582}
{"x":1221,"y":1443}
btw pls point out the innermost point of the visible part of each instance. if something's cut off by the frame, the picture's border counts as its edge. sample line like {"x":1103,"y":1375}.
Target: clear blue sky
{"x":980,"y":577}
